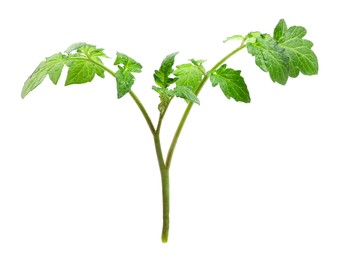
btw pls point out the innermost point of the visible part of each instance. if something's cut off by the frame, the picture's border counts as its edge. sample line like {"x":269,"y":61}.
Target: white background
{"x":78,"y":173}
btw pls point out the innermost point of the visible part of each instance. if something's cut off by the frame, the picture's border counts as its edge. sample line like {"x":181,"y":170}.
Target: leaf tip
{"x":282,"y":20}
{"x":23,"y":94}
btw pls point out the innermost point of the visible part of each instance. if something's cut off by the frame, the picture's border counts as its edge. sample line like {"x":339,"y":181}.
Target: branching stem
{"x":188,"y":108}
{"x":132,"y":94}
{"x":164,"y":165}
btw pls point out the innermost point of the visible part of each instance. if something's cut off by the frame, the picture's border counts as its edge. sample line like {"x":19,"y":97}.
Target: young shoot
{"x":283,"y":55}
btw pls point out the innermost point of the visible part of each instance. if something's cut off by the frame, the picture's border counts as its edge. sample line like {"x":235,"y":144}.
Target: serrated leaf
{"x":124,"y":76}
{"x":34,"y":80}
{"x":189,"y":75}
{"x":51,"y":66}
{"x":124,"y":81}
{"x":270,"y":58}
{"x":161,"y":76}
{"x":55,"y":66}
{"x":91,"y":52}
{"x":185,"y":93}
{"x":128,"y":63}
{"x":76,"y":46}
{"x":231,"y":83}
{"x":279,"y":30}
{"x":80,"y":71}
{"x":166,"y":66}
{"x":98,"y":53}
{"x":302,"y":58}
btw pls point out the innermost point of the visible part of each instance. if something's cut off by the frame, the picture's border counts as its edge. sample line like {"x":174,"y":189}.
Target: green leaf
{"x":279,"y":30}
{"x":124,"y":76}
{"x":97,"y":53}
{"x":91,"y":52}
{"x":302,"y":58}
{"x":84,"y":64}
{"x":161,"y":76}
{"x":76,"y":46}
{"x":124,"y":81}
{"x":185,"y":93}
{"x":270,"y":58}
{"x":80,"y":71}
{"x":128,"y":63}
{"x":51,"y":66}
{"x":199,"y":63}
{"x":99,"y":70}
{"x":189,"y":75}
{"x":34,"y":80}
{"x":166,"y":66}
{"x":251,"y":37}
{"x":85,"y":50}
{"x":55,"y":66}
{"x":159,"y":90}
{"x":165,"y":96}
{"x":55,"y":72}
{"x":231,"y":83}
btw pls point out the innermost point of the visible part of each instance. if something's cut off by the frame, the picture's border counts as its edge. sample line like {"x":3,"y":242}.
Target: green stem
{"x":161,"y":117}
{"x":225,"y":58}
{"x":164,"y":173}
{"x":164,"y":166}
{"x":166,"y":205}
{"x":188,"y":108}
{"x":143,"y":111}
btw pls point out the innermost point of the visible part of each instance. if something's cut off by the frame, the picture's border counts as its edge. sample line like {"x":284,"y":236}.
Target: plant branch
{"x":132,"y":94}
{"x":225,"y":58}
{"x":188,"y":108}
{"x":143,"y":111}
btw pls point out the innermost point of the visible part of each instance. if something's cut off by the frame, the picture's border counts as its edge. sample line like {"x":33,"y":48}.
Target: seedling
{"x":283,"y":55}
